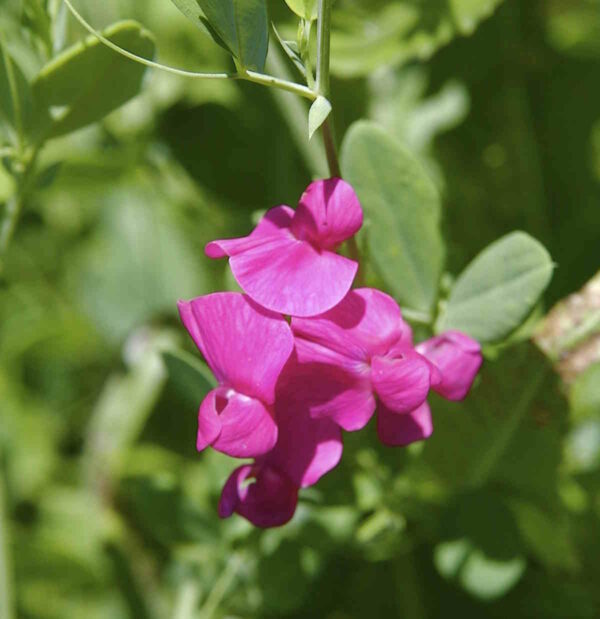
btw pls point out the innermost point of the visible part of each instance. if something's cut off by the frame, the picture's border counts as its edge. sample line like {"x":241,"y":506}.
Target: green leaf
{"x":370,"y":34}
{"x":292,"y":51}
{"x":125,"y":405}
{"x":243,"y":27}
{"x":482,"y":549}
{"x":132,"y":269}
{"x":319,"y":111}
{"x":498,"y":290}
{"x":402,"y":208}
{"x":284,"y":578}
{"x":546,"y":533}
{"x":508,"y":431}
{"x":88,"y":80}
{"x":481,"y":576}
{"x":15,"y":95}
{"x":191,"y":9}
{"x":585,"y":393}
{"x":189,"y":376}
{"x":307,"y":9}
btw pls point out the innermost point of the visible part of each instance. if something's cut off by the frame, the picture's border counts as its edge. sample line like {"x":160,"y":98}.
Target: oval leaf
{"x":15,"y":95}
{"x":319,"y":111}
{"x":307,"y":9}
{"x":243,"y":27}
{"x":402,"y":206}
{"x":498,"y":290}
{"x":190,"y":377}
{"x":191,"y":9}
{"x":88,"y":80}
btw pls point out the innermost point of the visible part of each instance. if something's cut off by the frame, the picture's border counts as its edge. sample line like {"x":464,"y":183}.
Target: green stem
{"x":13,"y":209}
{"x":275,"y":82}
{"x":6,"y":596}
{"x":293,"y":110}
{"x":220,"y":588}
{"x":14,"y":206}
{"x":323,"y":46}
{"x":589,"y":327}
{"x":491,"y":457}
{"x":330,"y":149}
{"x":323,"y":87}
{"x":14,"y":96}
{"x":250,"y":76}
{"x":323,"y":53}
{"x":187,"y":600}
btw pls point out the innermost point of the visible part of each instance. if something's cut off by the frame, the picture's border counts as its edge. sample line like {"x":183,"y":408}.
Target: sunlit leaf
{"x":317,"y":115}
{"x":189,"y":376}
{"x":307,"y":9}
{"x":402,"y":208}
{"x":191,"y":9}
{"x":482,"y":553}
{"x":15,"y":95}
{"x":89,"y":80}
{"x":507,"y":431}
{"x":498,"y":290}
{"x":370,"y":34}
{"x":243,"y":27}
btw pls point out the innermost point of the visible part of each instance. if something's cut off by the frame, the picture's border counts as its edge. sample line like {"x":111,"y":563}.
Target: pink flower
{"x":246,"y":347}
{"x":458,"y":357}
{"x":288,"y":263}
{"x":269,"y":500}
{"x":361,"y":359}
{"x":306,"y":449}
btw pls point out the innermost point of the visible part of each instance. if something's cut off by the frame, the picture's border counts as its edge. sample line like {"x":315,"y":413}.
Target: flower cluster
{"x":287,"y":389}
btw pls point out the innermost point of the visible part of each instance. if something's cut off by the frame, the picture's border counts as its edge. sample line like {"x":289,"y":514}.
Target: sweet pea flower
{"x":246,"y":347}
{"x":261,"y":494}
{"x":288,"y":263}
{"x":361,"y":357}
{"x":306,"y":449}
{"x":458,"y":358}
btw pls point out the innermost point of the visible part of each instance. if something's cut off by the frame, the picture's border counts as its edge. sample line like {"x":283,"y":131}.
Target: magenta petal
{"x":348,"y":402}
{"x":306,"y":448}
{"x":397,"y":430}
{"x":245,"y":345}
{"x":366,"y":322}
{"x":332,"y":386}
{"x":458,"y":358}
{"x":291,"y":276}
{"x":209,"y":422}
{"x":401,"y":384}
{"x":235,"y":424}
{"x":234,"y":491}
{"x":328,"y":213}
{"x":275,"y":222}
{"x":268,"y":501}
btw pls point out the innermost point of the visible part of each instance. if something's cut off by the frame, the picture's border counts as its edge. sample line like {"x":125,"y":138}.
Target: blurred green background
{"x":106,"y":509}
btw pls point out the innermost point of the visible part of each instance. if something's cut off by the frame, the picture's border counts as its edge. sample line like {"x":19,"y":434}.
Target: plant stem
{"x":187,"y":600}
{"x":275,"y":82}
{"x":6,"y":596}
{"x":485,"y":467}
{"x":323,"y":53}
{"x":13,"y":209}
{"x":323,"y":46}
{"x":249,"y":76}
{"x":14,"y":206}
{"x":220,"y":588}
{"x":330,"y":149}
{"x":323,"y":87}
{"x":293,"y":110}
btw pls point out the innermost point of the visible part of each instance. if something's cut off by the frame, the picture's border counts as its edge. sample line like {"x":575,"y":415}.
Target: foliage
{"x":106,"y":509}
